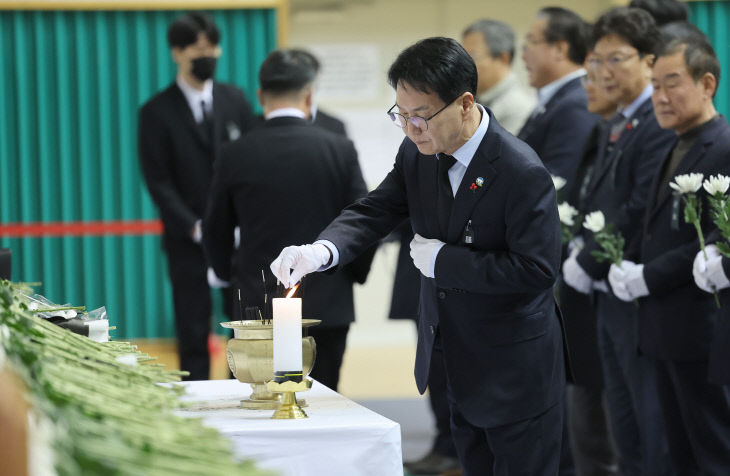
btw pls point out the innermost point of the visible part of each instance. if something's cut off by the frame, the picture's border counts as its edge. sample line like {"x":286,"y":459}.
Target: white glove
{"x":601,"y":286}
{"x":574,"y":276}
{"x":197,"y":232}
{"x":423,"y":253}
{"x":576,"y":243}
{"x":214,"y":281}
{"x":708,"y":273}
{"x":236,"y":237}
{"x":302,"y":260}
{"x":627,"y":281}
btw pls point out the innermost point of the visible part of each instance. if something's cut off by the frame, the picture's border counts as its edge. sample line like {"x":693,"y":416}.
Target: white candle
{"x":287,"y":334}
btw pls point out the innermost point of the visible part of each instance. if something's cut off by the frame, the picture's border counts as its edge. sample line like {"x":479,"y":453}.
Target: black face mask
{"x":204,"y":67}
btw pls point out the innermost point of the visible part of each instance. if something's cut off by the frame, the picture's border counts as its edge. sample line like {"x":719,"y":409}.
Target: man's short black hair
{"x":499,"y":36}
{"x":184,"y":30}
{"x":439,"y":65}
{"x":287,"y":70}
{"x":699,"y":55}
{"x":634,"y":25}
{"x":663,"y":11}
{"x":565,"y":25}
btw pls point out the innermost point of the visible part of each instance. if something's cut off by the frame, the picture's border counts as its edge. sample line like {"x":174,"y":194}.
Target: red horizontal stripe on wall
{"x":81,"y":228}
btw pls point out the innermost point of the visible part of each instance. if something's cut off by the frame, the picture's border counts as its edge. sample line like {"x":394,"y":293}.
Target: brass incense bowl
{"x":251,"y":358}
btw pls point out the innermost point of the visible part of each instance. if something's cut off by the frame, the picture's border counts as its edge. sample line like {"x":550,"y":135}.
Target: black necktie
{"x":206,"y":125}
{"x":446,"y":195}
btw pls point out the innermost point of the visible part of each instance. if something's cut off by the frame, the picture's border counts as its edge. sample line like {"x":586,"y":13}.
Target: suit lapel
{"x":218,"y":115}
{"x":686,"y":165}
{"x":611,"y":161}
{"x":469,"y":191}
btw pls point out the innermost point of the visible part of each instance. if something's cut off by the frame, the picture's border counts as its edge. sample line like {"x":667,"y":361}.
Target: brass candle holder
{"x":289,"y":409}
{"x":251,"y":359}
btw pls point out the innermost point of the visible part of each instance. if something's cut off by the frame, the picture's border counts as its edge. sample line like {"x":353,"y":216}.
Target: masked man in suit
{"x":559,"y":126}
{"x":677,"y":320}
{"x":488,"y":253}
{"x":629,"y":153}
{"x":181,"y":130}
{"x":283,"y":183}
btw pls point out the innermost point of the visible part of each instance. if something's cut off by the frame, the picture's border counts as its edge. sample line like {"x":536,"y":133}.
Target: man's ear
{"x":260,"y":97}
{"x":709,"y":83}
{"x":467,"y":102}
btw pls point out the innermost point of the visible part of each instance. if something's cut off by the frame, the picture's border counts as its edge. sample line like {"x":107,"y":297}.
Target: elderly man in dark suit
{"x":181,"y":130}
{"x":488,"y":253}
{"x":283,"y":183}
{"x":629,"y":153}
{"x":677,"y":320}
{"x":557,"y":129}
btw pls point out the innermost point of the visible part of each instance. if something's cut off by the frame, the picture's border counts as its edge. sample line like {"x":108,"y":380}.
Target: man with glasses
{"x":181,"y":130}
{"x":629,"y":154}
{"x":487,"y":245}
{"x":553,"y":52}
{"x":491,"y":44}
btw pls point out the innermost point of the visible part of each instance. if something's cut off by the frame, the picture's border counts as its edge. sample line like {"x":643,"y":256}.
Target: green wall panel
{"x":72,"y":83}
{"x":712,"y":18}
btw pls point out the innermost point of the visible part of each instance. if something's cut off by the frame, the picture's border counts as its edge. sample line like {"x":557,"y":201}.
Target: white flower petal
{"x":595,"y":221}
{"x":558,"y":182}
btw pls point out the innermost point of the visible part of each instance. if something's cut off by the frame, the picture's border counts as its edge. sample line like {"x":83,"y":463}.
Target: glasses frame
{"x":611,"y":63}
{"x":393,"y":115}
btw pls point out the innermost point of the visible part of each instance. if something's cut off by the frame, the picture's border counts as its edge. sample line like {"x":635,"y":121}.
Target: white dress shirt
{"x":196,"y":98}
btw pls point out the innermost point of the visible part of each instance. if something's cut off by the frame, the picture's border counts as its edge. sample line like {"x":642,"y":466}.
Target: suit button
{"x":442,"y":295}
{"x":433,"y":329}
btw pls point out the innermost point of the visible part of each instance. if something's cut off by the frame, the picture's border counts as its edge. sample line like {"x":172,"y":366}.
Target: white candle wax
{"x":287,"y":334}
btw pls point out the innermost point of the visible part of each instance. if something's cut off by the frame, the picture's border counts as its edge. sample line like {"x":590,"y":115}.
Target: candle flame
{"x":292,"y":291}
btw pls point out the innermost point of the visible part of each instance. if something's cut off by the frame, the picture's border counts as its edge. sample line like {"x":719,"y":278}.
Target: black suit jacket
{"x":677,"y":319}
{"x":621,"y":180}
{"x":176,"y":156}
{"x":579,"y":310}
{"x":329,"y":122}
{"x":282,"y":183}
{"x":492,"y":301}
{"x":559,"y":131}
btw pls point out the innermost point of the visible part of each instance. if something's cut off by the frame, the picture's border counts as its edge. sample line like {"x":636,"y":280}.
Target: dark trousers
{"x":529,"y":447}
{"x":192,"y":302}
{"x":630,"y":390}
{"x":443,"y":443}
{"x":330,"y":343}
{"x":696,"y":416}
{"x":590,"y":435}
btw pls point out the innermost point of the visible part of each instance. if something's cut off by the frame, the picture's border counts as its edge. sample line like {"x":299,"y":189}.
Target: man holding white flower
{"x":676,"y":319}
{"x":629,"y":153}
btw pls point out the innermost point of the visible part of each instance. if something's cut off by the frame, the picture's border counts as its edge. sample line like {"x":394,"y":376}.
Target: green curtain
{"x":712,"y":18}
{"x":71,"y":84}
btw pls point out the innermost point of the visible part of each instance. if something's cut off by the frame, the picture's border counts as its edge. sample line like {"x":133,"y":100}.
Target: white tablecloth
{"x":339,"y":438}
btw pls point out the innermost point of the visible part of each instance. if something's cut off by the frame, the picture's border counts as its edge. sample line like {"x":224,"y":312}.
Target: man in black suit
{"x":280,"y":184}
{"x":629,"y":153}
{"x":181,"y":130}
{"x":677,"y":320}
{"x":488,"y":253}
{"x":554,"y":51}
{"x":590,"y":439}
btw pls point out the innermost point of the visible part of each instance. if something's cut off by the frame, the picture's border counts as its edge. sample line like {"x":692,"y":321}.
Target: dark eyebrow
{"x":419,"y":108}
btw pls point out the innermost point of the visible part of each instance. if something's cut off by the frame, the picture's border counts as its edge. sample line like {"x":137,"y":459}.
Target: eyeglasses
{"x":612,"y":62}
{"x":420,"y":123}
{"x":587,"y":81}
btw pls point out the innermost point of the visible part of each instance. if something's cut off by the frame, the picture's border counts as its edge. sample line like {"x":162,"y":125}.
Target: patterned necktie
{"x":446,"y":194}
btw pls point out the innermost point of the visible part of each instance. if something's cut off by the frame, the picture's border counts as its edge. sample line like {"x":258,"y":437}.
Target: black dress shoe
{"x":432,"y":463}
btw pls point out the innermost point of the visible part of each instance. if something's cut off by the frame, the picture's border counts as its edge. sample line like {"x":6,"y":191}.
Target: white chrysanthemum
{"x":559,"y":182}
{"x":687,"y":183}
{"x":567,"y":212}
{"x":595,"y":221}
{"x":716,"y":183}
